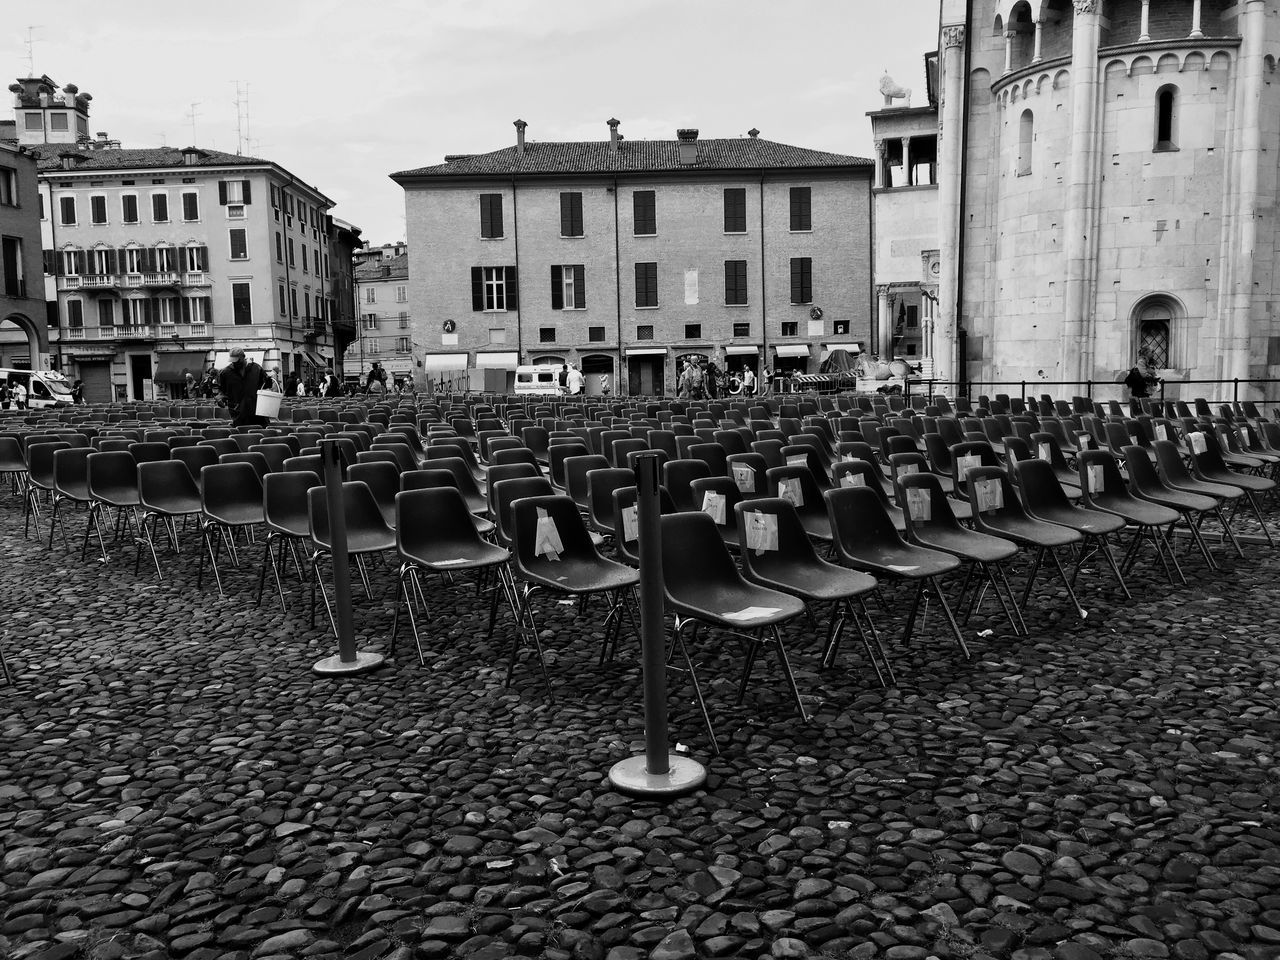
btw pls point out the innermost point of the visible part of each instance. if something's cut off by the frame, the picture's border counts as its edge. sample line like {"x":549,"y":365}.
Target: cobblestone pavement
{"x":176,"y":782}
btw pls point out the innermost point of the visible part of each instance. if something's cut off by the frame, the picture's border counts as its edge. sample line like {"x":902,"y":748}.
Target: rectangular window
{"x":73,"y":262}
{"x":404,"y":319}
{"x":546,"y":334}
{"x":369,"y":321}
{"x":840,"y":328}
{"x":742,"y":329}
{"x":239,"y":245}
{"x":646,"y":284}
{"x":404,"y":344}
{"x":801,"y":208}
{"x":59,"y":121}
{"x":293,"y":301}
{"x":491,"y":216}
{"x":166,"y":259}
{"x":284,"y":302}
{"x":693,"y":331}
{"x":33,"y":121}
{"x":595,"y":334}
{"x":97,"y":209}
{"x":195,"y":259}
{"x":103,"y":261}
{"x":234,"y":192}
{"x":279,"y":248}
{"x":735,"y":210}
{"x":570,"y":214}
{"x":790,"y":328}
{"x":190,"y":205}
{"x":160,"y":208}
{"x":75,"y":312}
{"x":196,"y":310}
{"x":735,"y":282}
{"x":644,"y":213}
{"x":106,"y":312}
{"x":304,"y":258}
{"x":370,"y":295}
{"x":802,"y":280}
{"x":15,"y":284}
{"x":8,"y":187}
{"x":67,"y":211}
{"x":402,"y":294}
{"x":241,"y":307}
{"x":568,"y":287}
{"x":913,"y":316}
{"x":494,"y":289}
{"x":129,"y":208}
{"x":644,"y":331}
{"x":292,"y":261}
{"x":275,"y":196}
{"x":133,"y":260}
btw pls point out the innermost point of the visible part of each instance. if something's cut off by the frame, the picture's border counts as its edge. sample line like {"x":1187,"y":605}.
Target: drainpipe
{"x":764,"y":311}
{"x":515,"y":235}
{"x":617,"y":289}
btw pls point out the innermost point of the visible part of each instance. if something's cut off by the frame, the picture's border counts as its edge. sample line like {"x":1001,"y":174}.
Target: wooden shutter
{"x":186,"y":310}
{"x":735,"y":209}
{"x":571,"y":214}
{"x":801,"y":208}
{"x":51,"y":265}
{"x":557,"y":273}
{"x":477,"y":288}
{"x":579,"y":286}
{"x":513,"y":288}
{"x":245,"y":194}
{"x":202,"y":258}
{"x":222,"y":192}
{"x":79,"y":259}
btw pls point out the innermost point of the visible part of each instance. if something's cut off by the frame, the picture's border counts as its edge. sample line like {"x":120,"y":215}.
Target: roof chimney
{"x":753,"y":133}
{"x":520,"y":125}
{"x":688,"y":138}
{"x":613,"y":133}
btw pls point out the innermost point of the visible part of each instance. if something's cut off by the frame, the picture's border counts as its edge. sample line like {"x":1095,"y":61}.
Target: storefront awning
{"x":736,"y":349}
{"x":847,"y":347}
{"x":646,"y":351}
{"x":172,"y":367}
{"x":223,"y":357}
{"x":792,"y":350}
{"x":444,"y":361}
{"x":497,"y":361}
{"x":315,"y":360}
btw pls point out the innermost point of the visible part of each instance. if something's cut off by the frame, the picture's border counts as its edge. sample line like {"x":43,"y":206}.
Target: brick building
{"x":626,"y":256}
{"x":382,"y":307}
{"x":23,"y":331}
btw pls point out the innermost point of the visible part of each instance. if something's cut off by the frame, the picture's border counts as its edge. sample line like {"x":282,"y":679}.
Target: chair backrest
{"x":723,"y":487}
{"x":1040,"y":487}
{"x":860,"y":523}
{"x":695,"y":560}
{"x":796,"y":482}
{"x":988,"y":507}
{"x":793,"y":540}
{"x":112,"y":444}
{"x":1100,"y":479}
{"x":771,"y":450}
{"x":677,"y":476}
{"x":225,"y":486}
{"x":619,"y":449}
{"x":359,"y":507}
{"x":925,"y":504}
{"x":572,"y":532}
{"x":506,"y":471}
{"x":575,"y":476}
{"x":558,"y":454}
{"x":383,"y":481}
{"x":311,"y":462}
{"x":515,"y":455}
{"x":111,"y":474}
{"x":749,"y":472}
{"x":255,"y":460}
{"x":284,"y":501}
{"x":506,"y":492}
{"x":600,"y":487}
{"x":434,"y":520}
{"x":713,"y":455}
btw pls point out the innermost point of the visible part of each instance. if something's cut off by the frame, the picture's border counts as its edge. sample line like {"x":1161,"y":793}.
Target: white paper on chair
{"x":1197,"y":443}
{"x":798,"y":460}
{"x":1162,"y":431}
{"x":920,"y":504}
{"x":630,"y":523}
{"x":989,"y":494}
{"x":750,"y":613}
{"x":1044,"y":452}
{"x":1097,"y":479}
{"x":546,"y":538}
{"x":762,"y":532}
{"x":745,"y":477}
{"x":1243,"y":434}
{"x":713,"y":506}
{"x":852,"y":480}
{"x":966,"y":463}
{"x":1084,"y":441}
{"x":791,"y":491}
{"x":1133,"y":438}
{"x":908,"y":468}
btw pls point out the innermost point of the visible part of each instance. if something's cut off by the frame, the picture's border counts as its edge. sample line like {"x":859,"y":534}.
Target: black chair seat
{"x":978,"y":547}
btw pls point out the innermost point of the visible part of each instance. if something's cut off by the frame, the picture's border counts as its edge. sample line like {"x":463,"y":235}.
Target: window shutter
{"x":50,"y":262}
{"x":222,"y":192}
{"x":795,"y":280}
{"x":496,"y":214}
{"x":557,"y":273}
{"x":579,"y":286}
{"x":806,"y":287}
{"x":477,"y":288}
{"x":513,"y":289}
{"x":202,"y":258}
{"x":245,"y":193}
{"x":79,"y":261}
{"x":566,"y":215}
{"x":186,"y":310}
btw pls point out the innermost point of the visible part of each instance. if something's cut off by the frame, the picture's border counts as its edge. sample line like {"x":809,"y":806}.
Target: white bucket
{"x":269,"y":403}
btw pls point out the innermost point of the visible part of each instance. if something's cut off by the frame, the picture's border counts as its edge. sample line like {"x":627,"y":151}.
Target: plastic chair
{"x":795,"y":568}
{"x":1103,"y":488}
{"x":575,"y":477}
{"x":600,"y":487}
{"x":1207,"y":465}
{"x":703,"y":587}
{"x":750,"y":472}
{"x":39,"y":459}
{"x":1192,"y":508}
{"x":507,"y":492}
{"x":625,"y":540}
{"x":288,"y":524}
{"x":255,"y":460}
{"x":506,"y":471}
{"x":367,"y":534}
{"x":716,"y":497}
{"x":70,"y":486}
{"x":1047,"y":448}
{"x":1174,"y":473}
{"x":863,"y":473}
{"x":230,"y":500}
{"x":556,"y":457}
{"x":677,"y":475}
{"x":435,"y":535}
{"x":12,"y":465}
{"x":113,"y":485}
{"x":464,"y":479}
{"x":383,"y":481}
{"x":797,"y":485}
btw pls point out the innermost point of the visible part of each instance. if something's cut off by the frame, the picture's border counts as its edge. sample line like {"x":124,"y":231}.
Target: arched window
{"x":1026,"y":134}
{"x":1155,"y":322}
{"x":1167,"y":118}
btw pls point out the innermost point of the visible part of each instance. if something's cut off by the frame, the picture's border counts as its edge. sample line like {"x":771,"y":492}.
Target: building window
{"x":75,"y":312}
{"x":491,"y":216}
{"x":8,"y":187}
{"x":304,"y":258}
{"x":293,"y":301}
{"x":33,"y":121}
{"x":402,"y":294}
{"x":241,"y":307}
{"x":735,"y":210}
{"x":135,"y":312}
{"x":1167,"y":118}
{"x":735,"y":282}
{"x":644,"y":213}
{"x":197,"y":310}
{"x":134,"y":260}
{"x":790,"y":328}
{"x":913,"y":316}
{"x":644,"y":331}
{"x":911,"y":349}
{"x":279,"y":248}
{"x":404,"y":344}
{"x":404,"y":319}
{"x":595,"y":334}
{"x":493,"y":288}
{"x":742,"y":329}
{"x":195,"y":258}
{"x":235,"y":192}
{"x":646,"y":284}
{"x":275,"y":196}
{"x":802,"y":280}
{"x":72,"y":262}
{"x":98,"y":209}
{"x":166,"y":259}
{"x":67,"y":211}
{"x":292,"y":259}
{"x":370,"y":295}
{"x":284,"y":301}
{"x":840,"y":328}
{"x":160,"y":208}
{"x":801,"y":208}
{"x":59,"y":121}
{"x":15,"y":283}
{"x":693,"y":331}
{"x":546,"y":334}
{"x":190,"y":205}
{"x":239,"y":245}
{"x":129,"y":208}
{"x":106,"y":312}
{"x":568,"y":287}
{"x":1026,"y":135}
{"x":570,"y":214}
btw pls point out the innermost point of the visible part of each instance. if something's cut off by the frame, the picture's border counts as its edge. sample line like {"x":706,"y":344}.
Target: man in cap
{"x":238,"y":384}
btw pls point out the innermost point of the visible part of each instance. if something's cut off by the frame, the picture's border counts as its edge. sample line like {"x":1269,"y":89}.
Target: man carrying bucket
{"x":238,"y":383}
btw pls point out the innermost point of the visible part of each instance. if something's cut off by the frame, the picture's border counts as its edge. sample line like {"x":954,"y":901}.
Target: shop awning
{"x":315,"y":360}
{"x":223,"y":357}
{"x":497,"y":361}
{"x":854,"y":348}
{"x":172,"y":367}
{"x":736,"y":349}
{"x":444,"y":361}
{"x":792,"y":350}
{"x":646,"y":351}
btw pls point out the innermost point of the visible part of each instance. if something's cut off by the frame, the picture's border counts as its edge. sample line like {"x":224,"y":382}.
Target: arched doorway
{"x":598,"y":369}
{"x":20,"y":343}
{"x":1154,"y":329}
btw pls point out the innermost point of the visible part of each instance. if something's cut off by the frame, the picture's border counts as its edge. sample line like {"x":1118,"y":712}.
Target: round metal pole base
{"x":334,"y":666}
{"x":633,"y":777}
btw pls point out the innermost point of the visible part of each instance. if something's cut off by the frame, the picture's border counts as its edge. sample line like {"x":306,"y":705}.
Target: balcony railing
{"x":163,"y":278}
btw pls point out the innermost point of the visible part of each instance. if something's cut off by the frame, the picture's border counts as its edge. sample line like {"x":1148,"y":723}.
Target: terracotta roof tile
{"x":50,"y":158}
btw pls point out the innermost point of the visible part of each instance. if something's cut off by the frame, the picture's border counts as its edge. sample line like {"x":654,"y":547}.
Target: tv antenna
{"x":191,"y":115}
{"x":242,"y":118}
{"x":31,"y":49}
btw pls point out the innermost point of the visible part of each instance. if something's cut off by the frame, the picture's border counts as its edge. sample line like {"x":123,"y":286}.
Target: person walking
{"x":576,"y":381}
{"x":748,"y":381}
{"x":19,"y":395}
{"x":562,"y":379}
{"x":238,"y":385}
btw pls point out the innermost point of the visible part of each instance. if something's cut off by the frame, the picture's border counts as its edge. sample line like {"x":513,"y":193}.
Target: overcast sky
{"x":344,"y":93}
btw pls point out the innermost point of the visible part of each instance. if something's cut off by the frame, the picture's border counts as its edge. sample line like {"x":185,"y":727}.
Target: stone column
{"x":1145,"y":35}
{"x":950,"y":164}
{"x":1036,"y":57}
{"x":1008,"y":50}
{"x":884,"y":329}
{"x":882,"y":154}
{"x":1234,"y":349}
{"x":1081,"y":212}
{"x":1196,"y":32}
{"x":908,"y":176}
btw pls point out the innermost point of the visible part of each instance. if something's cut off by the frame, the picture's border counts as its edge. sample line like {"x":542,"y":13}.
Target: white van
{"x":45,"y":388}
{"x":542,"y":378}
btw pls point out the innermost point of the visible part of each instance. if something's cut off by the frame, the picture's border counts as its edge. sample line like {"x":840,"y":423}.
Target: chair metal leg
{"x":697,"y":688}
{"x":1104,"y":548}
{"x":946,"y":609}
{"x":753,"y":647}
{"x":781,"y":650}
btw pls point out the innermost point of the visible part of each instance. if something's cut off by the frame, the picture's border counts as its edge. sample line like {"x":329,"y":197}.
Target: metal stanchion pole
{"x":349,"y":659}
{"x":658,"y":772}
